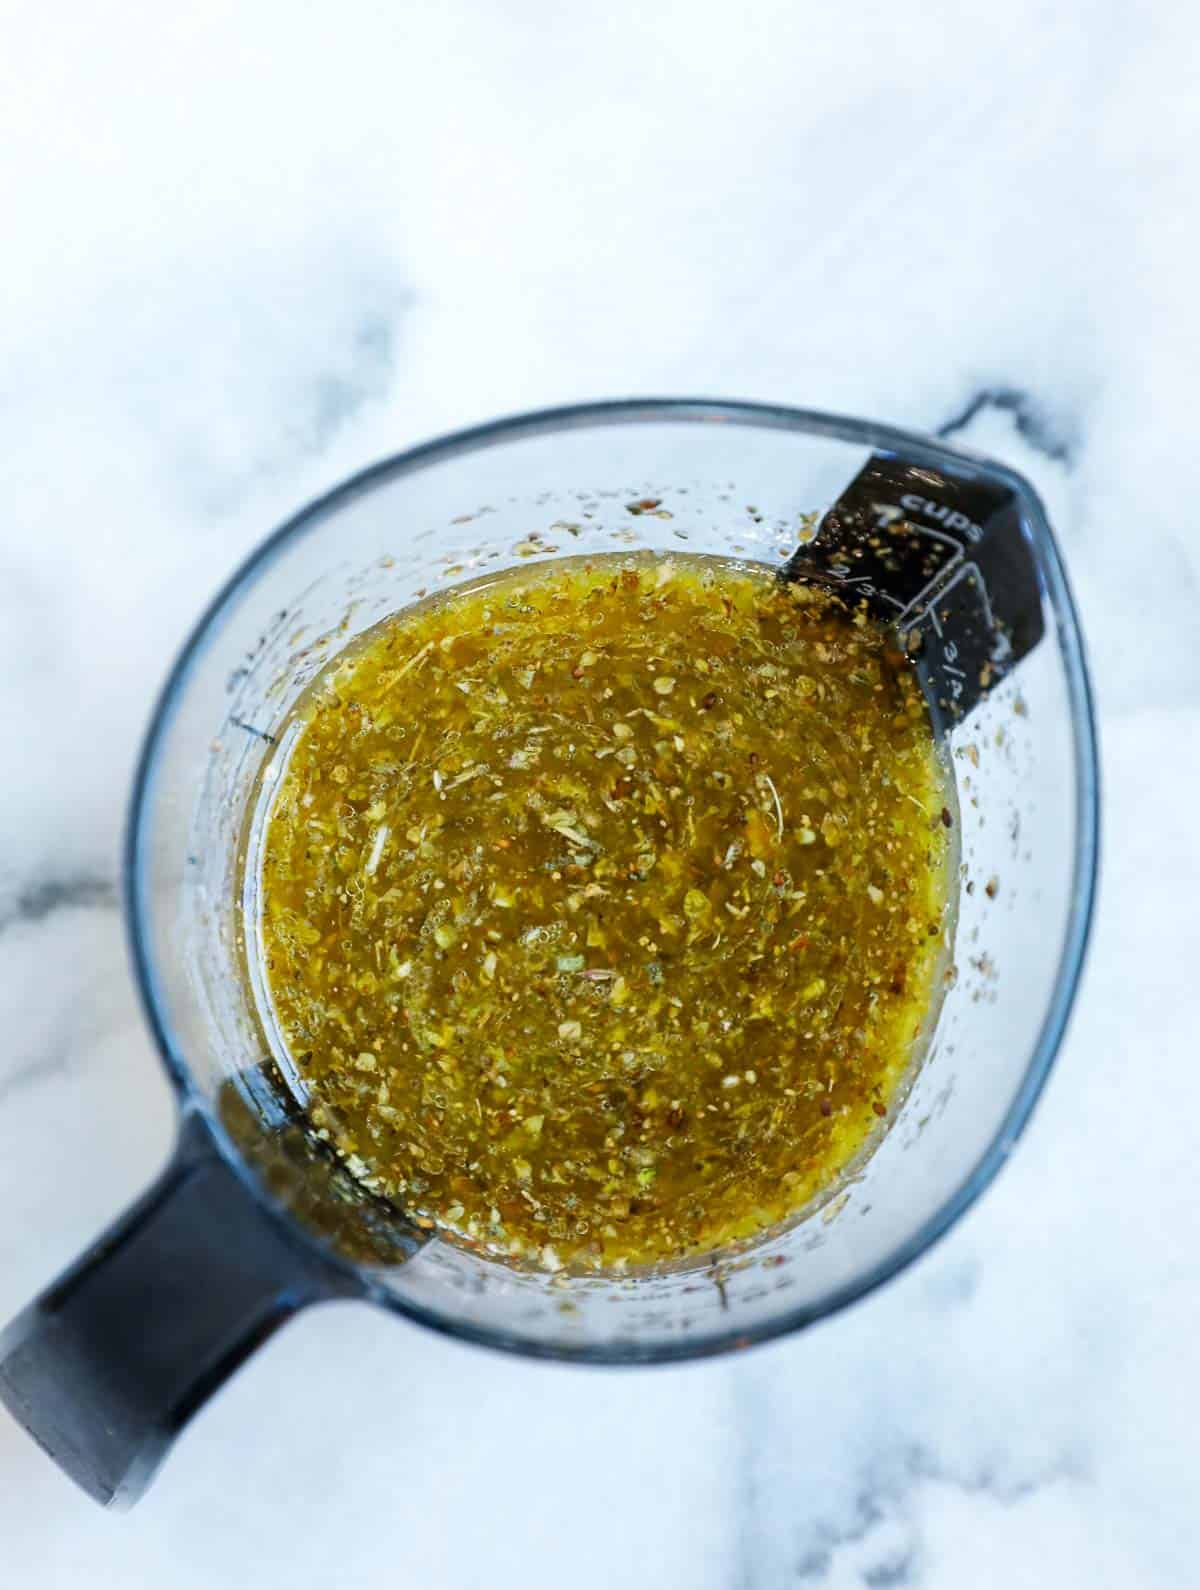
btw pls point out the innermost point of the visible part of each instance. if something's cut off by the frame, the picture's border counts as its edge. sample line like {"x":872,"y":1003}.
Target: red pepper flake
{"x":947,"y":820}
{"x":710,"y":701}
{"x":879,"y":1109}
{"x":826,"y":1107}
{"x":643,"y":505}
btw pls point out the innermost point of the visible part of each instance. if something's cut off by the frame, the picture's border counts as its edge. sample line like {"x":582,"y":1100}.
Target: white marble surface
{"x":250,"y":248}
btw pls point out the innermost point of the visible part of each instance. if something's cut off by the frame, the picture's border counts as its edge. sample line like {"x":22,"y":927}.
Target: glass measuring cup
{"x":254,"y":1218}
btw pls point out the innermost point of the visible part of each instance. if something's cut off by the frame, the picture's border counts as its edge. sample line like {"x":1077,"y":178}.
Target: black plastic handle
{"x":108,"y":1364}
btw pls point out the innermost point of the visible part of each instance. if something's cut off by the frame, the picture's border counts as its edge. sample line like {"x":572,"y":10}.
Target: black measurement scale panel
{"x":943,"y":558}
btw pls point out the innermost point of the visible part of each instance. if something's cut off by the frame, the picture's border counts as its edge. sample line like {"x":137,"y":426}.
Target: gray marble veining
{"x":250,"y":249}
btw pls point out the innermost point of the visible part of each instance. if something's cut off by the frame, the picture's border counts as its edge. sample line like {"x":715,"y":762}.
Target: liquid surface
{"x":603,"y":904}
